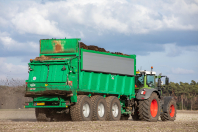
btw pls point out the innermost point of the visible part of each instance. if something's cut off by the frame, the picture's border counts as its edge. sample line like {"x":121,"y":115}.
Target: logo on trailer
{"x":34,"y":78}
{"x":32,"y":85}
{"x":112,"y":77}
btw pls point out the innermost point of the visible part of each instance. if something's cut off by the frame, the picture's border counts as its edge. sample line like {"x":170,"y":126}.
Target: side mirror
{"x":167,"y":81}
{"x":159,"y":82}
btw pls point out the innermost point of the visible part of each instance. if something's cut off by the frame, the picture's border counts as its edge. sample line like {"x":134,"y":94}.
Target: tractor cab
{"x":145,"y":79}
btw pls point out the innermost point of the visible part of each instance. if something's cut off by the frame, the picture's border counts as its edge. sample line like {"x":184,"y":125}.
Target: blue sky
{"x":163,"y":34}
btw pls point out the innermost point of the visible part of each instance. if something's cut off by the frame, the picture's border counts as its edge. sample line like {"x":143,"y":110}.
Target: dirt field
{"x":24,"y":120}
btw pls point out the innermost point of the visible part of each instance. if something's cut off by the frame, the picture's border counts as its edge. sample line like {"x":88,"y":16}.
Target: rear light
{"x":67,"y":103}
{"x":136,"y":86}
{"x":26,"y":104}
{"x":31,"y":60}
{"x":70,"y":83}
{"x":143,"y":92}
{"x":29,"y":68}
{"x":26,"y":84}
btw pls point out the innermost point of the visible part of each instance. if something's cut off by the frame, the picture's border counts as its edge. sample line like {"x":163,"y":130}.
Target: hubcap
{"x":115,"y":110}
{"x":172,"y":110}
{"x":154,"y":108}
{"x":86,"y":109}
{"x":101,"y":110}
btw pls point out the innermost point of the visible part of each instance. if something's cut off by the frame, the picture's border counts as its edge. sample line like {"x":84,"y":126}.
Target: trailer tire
{"x":171,"y":114}
{"x":42,"y":114}
{"x":99,"y":101}
{"x":82,"y":110}
{"x":113,"y":108}
{"x":149,"y":109}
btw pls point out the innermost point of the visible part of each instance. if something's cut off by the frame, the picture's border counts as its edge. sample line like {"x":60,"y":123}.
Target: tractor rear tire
{"x":82,"y":110}
{"x":171,"y":114}
{"x":42,"y":114}
{"x":149,"y":110}
{"x":99,"y":108}
{"x":113,"y":109}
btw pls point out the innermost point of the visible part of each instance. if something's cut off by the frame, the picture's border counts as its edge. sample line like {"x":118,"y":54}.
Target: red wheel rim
{"x":172,"y":110}
{"x":154,"y":108}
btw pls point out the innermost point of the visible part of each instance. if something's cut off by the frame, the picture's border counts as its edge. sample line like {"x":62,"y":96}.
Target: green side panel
{"x":104,"y":82}
{"x":50,"y":46}
{"x":107,"y":83}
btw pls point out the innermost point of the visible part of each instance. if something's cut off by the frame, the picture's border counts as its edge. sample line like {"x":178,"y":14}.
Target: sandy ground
{"x":24,"y":120}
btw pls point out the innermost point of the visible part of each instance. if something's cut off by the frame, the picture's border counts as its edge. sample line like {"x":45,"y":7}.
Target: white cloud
{"x":182,"y":71}
{"x":173,"y":50}
{"x":11,"y":70}
{"x":179,"y":68}
{"x":34,"y":21}
{"x":62,"y":18}
{"x":11,"y":45}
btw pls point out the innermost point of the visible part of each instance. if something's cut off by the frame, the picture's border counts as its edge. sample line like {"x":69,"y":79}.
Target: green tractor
{"x":149,"y":102}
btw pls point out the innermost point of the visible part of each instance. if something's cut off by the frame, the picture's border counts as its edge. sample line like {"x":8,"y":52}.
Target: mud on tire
{"x":99,"y":105}
{"x":42,"y":114}
{"x":149,"y":110}
{"x":82,"y":110}
{"x":171,"y":114}
{"x":113,"y":108}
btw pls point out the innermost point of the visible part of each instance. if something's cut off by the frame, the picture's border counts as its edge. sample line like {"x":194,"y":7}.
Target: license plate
{"x":40,"y":103}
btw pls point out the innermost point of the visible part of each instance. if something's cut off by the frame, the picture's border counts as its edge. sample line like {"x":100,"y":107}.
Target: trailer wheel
{"x":42,"y":114}
{"x":99,"y":108}
{"x":149,"y":109}
{"x":82,"y":110}
{"x":113,"y":108}
{"x":171,"y":115}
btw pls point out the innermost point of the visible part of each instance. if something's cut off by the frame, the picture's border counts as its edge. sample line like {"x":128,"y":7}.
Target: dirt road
{"x":24,"y":120}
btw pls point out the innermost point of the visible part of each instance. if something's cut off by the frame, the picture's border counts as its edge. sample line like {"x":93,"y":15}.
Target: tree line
{"x":186,"y":94}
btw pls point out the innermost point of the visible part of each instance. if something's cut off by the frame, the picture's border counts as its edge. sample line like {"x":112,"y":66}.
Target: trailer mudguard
{"x":140,"y":96}
{"x":166,"y":99}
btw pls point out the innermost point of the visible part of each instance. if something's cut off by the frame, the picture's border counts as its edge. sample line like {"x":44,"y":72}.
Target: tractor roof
{"x":146,"y":72}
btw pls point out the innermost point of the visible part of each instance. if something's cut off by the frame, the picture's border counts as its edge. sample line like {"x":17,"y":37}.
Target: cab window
{"x":150,"y":81}
{"x":139,"y":81}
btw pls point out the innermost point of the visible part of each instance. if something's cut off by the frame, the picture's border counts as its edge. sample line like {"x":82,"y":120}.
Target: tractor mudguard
{"x":140,"y":96}
{"x":166,"y":99}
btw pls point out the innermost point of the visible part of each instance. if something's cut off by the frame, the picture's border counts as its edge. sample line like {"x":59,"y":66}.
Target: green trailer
{"x":67,"y":82}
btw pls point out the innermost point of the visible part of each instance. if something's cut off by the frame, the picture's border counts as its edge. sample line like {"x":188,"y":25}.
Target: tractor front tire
{"x":171,"y":114}
{"x":149,"y":110}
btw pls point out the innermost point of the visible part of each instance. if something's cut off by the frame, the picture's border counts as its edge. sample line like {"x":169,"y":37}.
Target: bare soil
{"x":24,"y":120}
